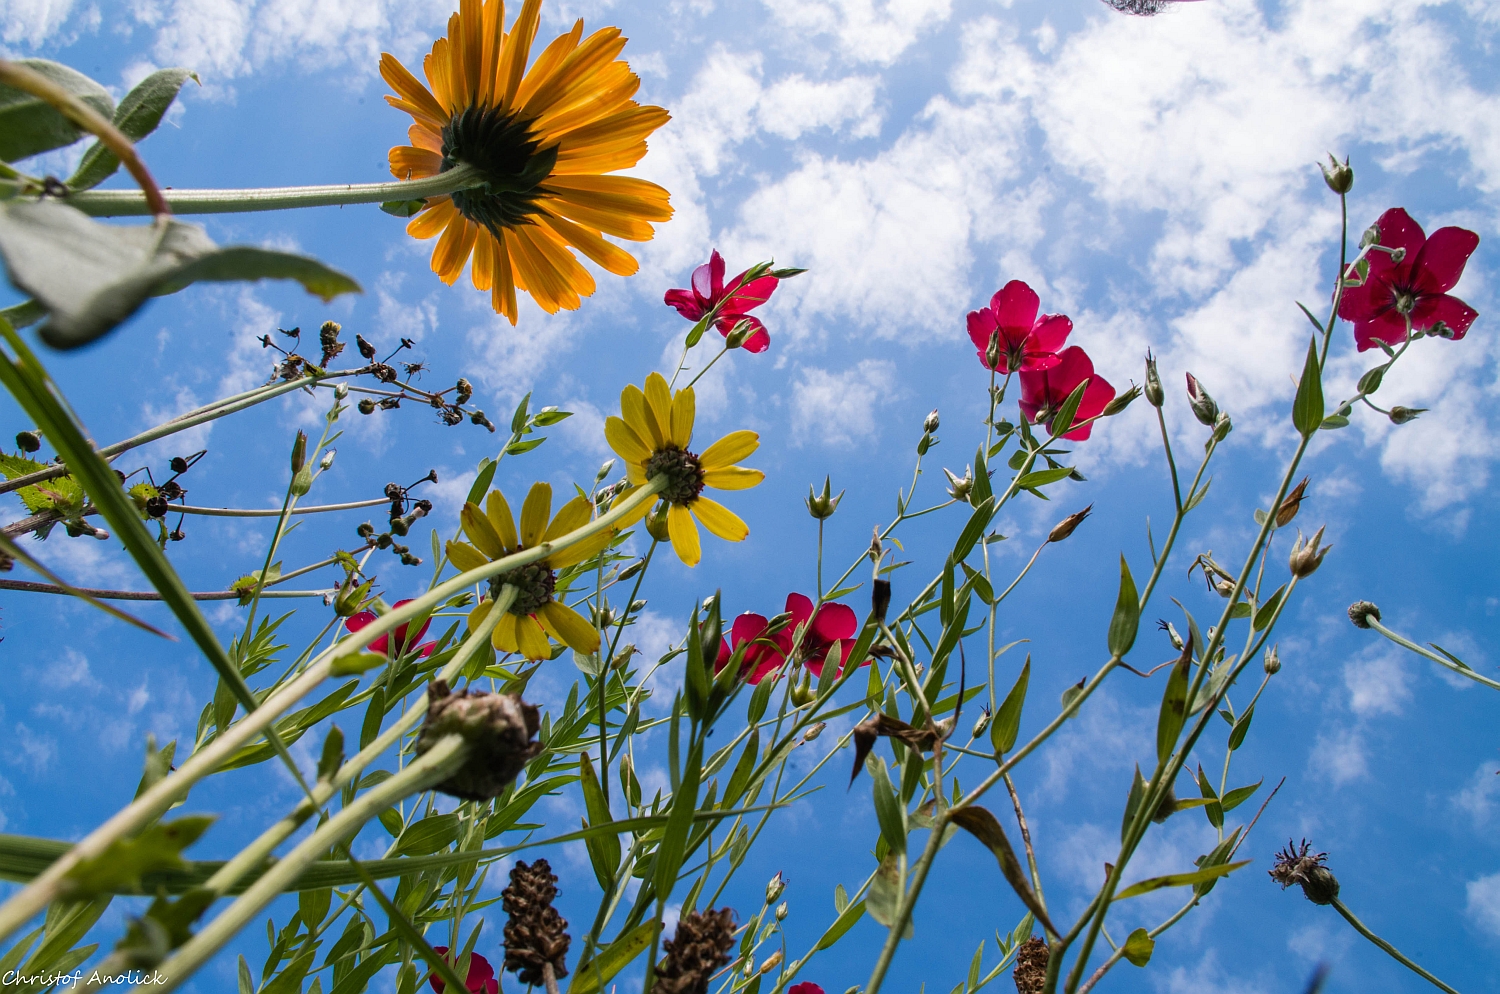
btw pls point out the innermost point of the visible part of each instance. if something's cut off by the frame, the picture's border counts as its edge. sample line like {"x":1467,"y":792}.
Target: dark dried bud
{"x":389,"y":403}
{"x":536,"y":936}
{"x":1065,"y":527}
{"x":499,"y":729}
{"x":451,"y":416}
{"x":1168,"y":806}
{"x":1360,"y":612}
{"x":1340,"y":178}
{"x":365,"y":348}
{"x":407,"y":559}
{"x":1155,"y":395}
{"x":880,"y":599}
{"x":366,"y":406}
{"x":1401,"y":415}
{"x":463,"y":391}
{"x":170,"y":490}
{"x":1291,"y":505}
{"x":478,"y":418}
{"x":177,"y":534}
{"x":1030,"y":973}
{"x":328,"y":338}
{"x":931,"y":423}
{"x":156,"y":507}
{"x":1300,"y":865}
{"x":394,"y":491}
{"x":384,"y":373}
{"x":299,"y":451}
{"x":28,"y":441}
{"x":420,"y":508}
{"x":1204,"y":408}
{"x":365,"y":530}
{"x":700,"y":947}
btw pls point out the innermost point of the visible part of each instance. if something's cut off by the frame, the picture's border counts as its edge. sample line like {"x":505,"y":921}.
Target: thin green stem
{"x":1425,"y":653}
{"x":1390,"y":950}
{"x":269,"y":512}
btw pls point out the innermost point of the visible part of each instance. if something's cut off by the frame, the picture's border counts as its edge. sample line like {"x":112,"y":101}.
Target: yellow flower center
{"x":504,"y":149}
{"x":534,"y":585}
{"x":683,"y":472}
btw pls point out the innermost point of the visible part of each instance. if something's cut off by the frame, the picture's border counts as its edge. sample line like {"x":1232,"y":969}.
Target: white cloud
{"x":841,"y":408}
{"x":1377,"y":684}
{"x":1480,"y":798}
{"x":1484,"y":903}
{"x":1208,"y":977}
{"x":872,"y":31}
{"x":31,"y":22}
{"x":1339,"y":755}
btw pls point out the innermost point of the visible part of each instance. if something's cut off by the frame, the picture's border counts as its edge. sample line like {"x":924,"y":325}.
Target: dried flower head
{"x":499,"y":729}
{"x":1306,"y":557}
{"x":1360,"y":612}
{"x":1030,"y":973}
{"x":1300,"y":865}
{"x":536,"y":936}
{"x":1065,"y":527}
{"x":699,"y":949}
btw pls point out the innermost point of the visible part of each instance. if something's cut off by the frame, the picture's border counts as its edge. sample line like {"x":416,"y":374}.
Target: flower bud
{"x":781,"y":911}
{"x":1224,"y":587}
{"x":1340,"y":178}
{"x":1400,"y":415}
{"x":604,"y":471}
{"x":28,"y":441}
{"x":1293,"y":503}
{"x":1168,"y":806}
{"x":1204,"y":408}
{"x":463,"y":391}
{"x":350,"y":596}
{"x":327,"y":459}
{"x":1121,"y":402}
{"x":992,"y":353}
{"x":930,"y":424}
{"x":478,"y":418}
{"x":803,"y":693}
{"x":1306,"y":557}
{"x":774,"y":888}
{"x":1272,"y":663}
{"x":814,"y":731}
{"x":1065,"y":527}
{"x":772,"y":962}
{"x":742,"y":330}
{"x":299,"y":451}
{"x":366,"y":406}
{"x":1222,"y":427}
{"x":656,"y":523}
{"x":981,"y":723}
{"x":1360,"y":612}
{"x":880,"y":599}
{"x":1155,"y":396}
{"x":1175,"y":638}
{"x":959,"y":487}
{"x":822,"y":506}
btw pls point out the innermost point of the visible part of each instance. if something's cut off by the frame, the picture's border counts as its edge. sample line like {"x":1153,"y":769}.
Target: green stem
{"x":1406,"y":643}
{"x":123,"y":203}
{"x":271,"y":512}
{"x":1391,"y":950}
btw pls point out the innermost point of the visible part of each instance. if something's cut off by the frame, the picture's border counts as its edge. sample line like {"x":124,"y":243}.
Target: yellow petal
{"x":480,"y":612}
{"x":503,"y":296}
{"x":531,"y":640}
{"x":659,"y":405}
{"x":493,"y":35}
{"x":433,"y":219}
{"x":610,"y":222}
{"x":624,"y":194}
{"x":732,"y":478}
{"x":636,"y":414}
{"x":534,"y":514}
{"x":497,"y":509}
{"x":611,"y":257}
{"x":410,"y":88}
{"x":600,"y":48}
{"x":684,"y":535}
{"x":414,"y":163}
{"x":453,"y":249}
{"x":729,"y":450}
{"x":718,"y":519}
{"x":570,"y":517}
{"x":504,"y":638}
{"x":517,"y":51}
{"x":623,"y":439}
{"x":548,"y":62}
{"x":465,"y":557}
{"x":479,"y":530}
{"x":570,"y":627}
{"x":684,"y":406}
{"x":635,"y":472}
{"x":581,"y":551}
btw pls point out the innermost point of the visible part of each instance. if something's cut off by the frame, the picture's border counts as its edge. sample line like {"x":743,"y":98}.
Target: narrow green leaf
{"x":1179,"y":880}
{"x":981,"y":491}
{"x":1127,"y":616}
{"x":985,"y":827}
{"x":889,"y":811}
{"x":1196,"y":497}
{"x":604,"y":850}
{"x":969,"y":537}
{"x":1007,"y":723}
{"x":593,"y":975}
{"x":1063,"y":420}
{"x":1217,"y":856}
{"x":670,"y":853}
{"x":137,"y":116}
{"x":1240,"y":729}
{"x":1133,"y":801}
{"x":1240,"y":795}
{"x":1042,"y":477}
{"x":1307,"y":409}
{"x":1268,"y":609}
{"x":846,"y":920}
{"x":1173,"y":710}
{"x":1211,"y":807}
{"x":487,"y":468}
{"x":883,"y":899}
{"x":739,"y":780}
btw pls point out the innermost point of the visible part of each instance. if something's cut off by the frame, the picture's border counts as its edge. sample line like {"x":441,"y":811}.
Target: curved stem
{"x":1407,"y":643}
{"x":1390,"y":950}
{"x":124,"y":203}
{"x":146,"y":595}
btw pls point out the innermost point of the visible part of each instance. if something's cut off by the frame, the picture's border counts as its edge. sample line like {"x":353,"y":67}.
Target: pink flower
{"x":761,"y":659}
{"x":832,"y":623}
{"x":728,"y":305}
{"x":382,"y":644}
{"x":1043,"y":391}
{"x":1028,"y":341}
{"x":804,"y":988}
{"x":1418,"y":285}
{"x":481,"y":978}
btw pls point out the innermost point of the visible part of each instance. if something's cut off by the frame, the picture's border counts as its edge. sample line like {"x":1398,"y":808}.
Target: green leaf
{"x":670,"y":853}
{"x":969,"y":537}
{"x":403,"y":208}
{"x":92,"y":276}
{"x":429,"y":835}
{"x":482,"y":482}
{"x":1042,"y":477}
{"x":985,"y":827}
{"x":1216,"y":857}
{"x":333,"y":755}
{"x":1307,"y":409}
{"x":883,"y":899}
{"x":124,"y":861}
{"x":1007,"y":723}
{"x":593,"y":975}
{"x":846,"y":920}
{"x":1240,"y":729}
{"x":1173,"y":710}
{"x":1063,"y":420}
{"x":604,"y":850}
{"x":1268,"y":609}
{"x":981,"y":491}
{"x":136,"y":117}
{"x":1334,"y":421}
{"x":1370,"y":381}
{"x":1240,"y":795}
{"x":1455,"y":660}
{"x":29,"y":125}
{"x":1139,"y":947}
{"x":739,"y":780}
{"x":1127,"y":616}
{"x":1179,"y":880}
{"x":1196,"y":497}
{"x":889,"y":811}
{"x":1133,"y":801}
{"x":1211,"y":807}
{"x":356,"y":662}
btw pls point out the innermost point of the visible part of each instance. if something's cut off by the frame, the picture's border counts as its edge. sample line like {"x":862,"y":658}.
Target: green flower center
{"x":683,"y":472}
{"x":1405,"y":302}
{"x":534,"y":584}
{"x":503,"y":148}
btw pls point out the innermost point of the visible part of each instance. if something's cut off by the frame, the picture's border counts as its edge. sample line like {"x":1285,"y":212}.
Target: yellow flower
{"x":543,"y":139}
{"x":534,"y":615}
{"x":653,"y":438}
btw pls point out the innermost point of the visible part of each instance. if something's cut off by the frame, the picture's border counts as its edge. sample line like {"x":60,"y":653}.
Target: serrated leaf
{"x":1179,"y":880}
{"x":92,"y":276}
{"x":1138,"y":947}
{"x":1307,"y":408}
{"x":29,"y":125}
{"x":137,"y":116}
{"x":1127,"y":616}
{"x":1007,"y":723}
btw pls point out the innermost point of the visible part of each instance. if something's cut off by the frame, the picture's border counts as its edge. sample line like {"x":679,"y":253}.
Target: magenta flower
{"x":804,"y":988}
{"x":1417,"y":286}
{"x":831,"y":623}
{"x":382,"y":644}
{"x":1028,"y":341}
{"x":481,"y":978}
{"x":1043,"y":391}
{"x":729,"y":305}
{"x":761,"y":658}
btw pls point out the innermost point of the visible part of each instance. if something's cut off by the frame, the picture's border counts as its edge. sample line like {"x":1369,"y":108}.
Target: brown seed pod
{"x":499,"y":729}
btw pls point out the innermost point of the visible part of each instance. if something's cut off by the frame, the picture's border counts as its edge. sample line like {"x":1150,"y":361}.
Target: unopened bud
{"x":981,"y":723}
{"x":1293,"y":503}
{"x":877,"y":548}
{"x":1175,"y":638}
{"x":781,"y":911}
{"x":930,"y":424}
{"x":656,"y":523}
{"x":1224,"y":587}
{"x":1155,"y":396}
{"x":959,"y":487}
{"x":366,"y":406}
{"x":774,"y":960}
{"x":1204,"y":408}
{"x":1168,"y":806}
{"x":478,"y":418}
{"x":802,"y":693}
{"x":1339,"y":177}
{"x":365,"y":348}
{"x":1065,"y":527}
{"x":1306,"y":557}
{"x":299,"y":451}
{"x":463,"y":391}
{"x":822,"y":506}
{"x":1272,"y":662}
{"x":1121,"y":402}
{"x":1401,"y":415}
{"x":327,"y":459}
{"x":1222,"y":427}
{"x":992,"y":353}
{"x":814,"y":731}
{"x":302,"y":482}
{"x":774,"y":888}
{"x":880,"y":599}
{"x":365,"y":530}
{"x":1360,"y":612}
{"x":604,"y":471}
{"x":1320,"y":886}
{"x":742,"y":330}
{"x":28,"y":441}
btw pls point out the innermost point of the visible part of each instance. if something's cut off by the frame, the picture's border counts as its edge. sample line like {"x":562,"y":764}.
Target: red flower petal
{"x":1387,"y":327}
{"x":1050,"y":332}
{"x":686,"y":303}
{"x":1366,"y":301}
{"x":749,"y":296}
{"x":1456,"y":314}
{"x":981,"y":328}
{"x":800,"y":607}
{"x":1016,"y":305}
{"x":1398,"y":230}
{"x":834,"y":621}
{"x":1441,"y":261}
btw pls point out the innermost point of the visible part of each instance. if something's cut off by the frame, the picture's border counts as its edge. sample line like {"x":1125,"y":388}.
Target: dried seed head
{"x":1065,"y":527}
{"x":498,"y":728}
{"x":1306,"y":557}
{"x":1360,"y":612}
{"x":700,"y":947}
{"x":880,"y":599}
{"x":1030,"y":973}
{"x":536,"y":935}
{"x":1300,"y":865}
{"x":28,"y":441}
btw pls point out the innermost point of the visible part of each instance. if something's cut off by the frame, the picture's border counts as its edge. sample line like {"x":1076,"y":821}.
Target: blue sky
{"x":1152,"y":178}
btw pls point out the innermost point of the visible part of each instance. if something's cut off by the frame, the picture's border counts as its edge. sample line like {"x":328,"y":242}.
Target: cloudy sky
{"x":1153,"y":178}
